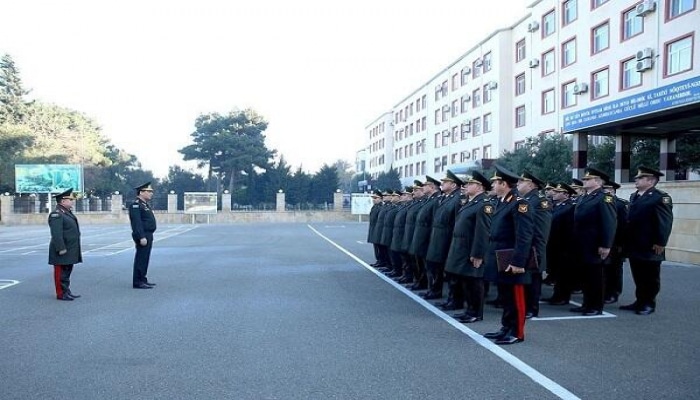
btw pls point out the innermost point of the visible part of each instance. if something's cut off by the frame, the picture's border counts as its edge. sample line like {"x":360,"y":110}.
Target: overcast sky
{"x":319,"y":71}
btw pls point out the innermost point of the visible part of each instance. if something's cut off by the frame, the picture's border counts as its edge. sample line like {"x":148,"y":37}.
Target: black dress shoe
{"x":559,"y":302}
{"x":465,"y":314}
{"x":65,"y":297}
{"x":508,"y":339}
{"x":590,"y":313}
{"x":142,"y":286}
{"x":451,"y":307}
{"x":432,"y":296}
{"x":630,"y":307}
{"x":470,"y":319}
{"x":530,"y":314}
{"x":646,"y":310}
{"x":578,"y":309}
{"x":75,"y":296}
{"x":503,"y":332}
{"x":611,"y":300}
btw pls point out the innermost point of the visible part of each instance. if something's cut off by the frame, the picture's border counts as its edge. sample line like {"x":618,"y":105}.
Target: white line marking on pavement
{"x":518,"y":364}
{"x":6,"y":283}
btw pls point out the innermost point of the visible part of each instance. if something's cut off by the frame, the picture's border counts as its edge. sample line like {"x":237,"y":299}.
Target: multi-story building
{"x":583,"y":67}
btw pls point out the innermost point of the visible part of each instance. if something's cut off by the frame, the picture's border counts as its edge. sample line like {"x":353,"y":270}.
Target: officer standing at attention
{"x":143,"y":224}
{"x":613,"y":272}
{"x":373,"y":215}
{"x":649,"y":223}
{"x":595,"y":223}
{"x":64,"y":248}
{"x":511,"y":228}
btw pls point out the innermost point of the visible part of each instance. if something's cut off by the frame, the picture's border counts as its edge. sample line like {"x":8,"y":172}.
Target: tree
{"x":12,"y":105}
{"x":229,"y":144}
{"x":548,"y":158}
{"x":602,"y":156}
{"x":299,"y":188}
{"x":387,"y":180}
{"x":325,"y":183}
{"x":275,"y":178}
{"x":14,"y":139}
{"x":345,"y":174}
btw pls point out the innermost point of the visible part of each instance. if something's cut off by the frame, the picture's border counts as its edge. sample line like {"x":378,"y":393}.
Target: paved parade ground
{"x":293,"y":311}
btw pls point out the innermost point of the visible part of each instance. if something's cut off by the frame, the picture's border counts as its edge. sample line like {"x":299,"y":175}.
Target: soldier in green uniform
{"x":649,"y":223}
{"x":64,"y":248}
{"x":143,"y":224}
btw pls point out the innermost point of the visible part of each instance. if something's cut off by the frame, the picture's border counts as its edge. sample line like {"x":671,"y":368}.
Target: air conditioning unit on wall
{"x":533,"y":26}
{"x":644,"y":65}
{"x":580,"y":88}
{"x":534,"y":63}
{"x":645,"y":53}
{"x":645,"y":7}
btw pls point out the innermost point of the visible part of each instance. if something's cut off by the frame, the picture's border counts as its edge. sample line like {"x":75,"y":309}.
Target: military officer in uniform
{"x":64,"y":248}
{"x":595,"y":223}
{"x":143,"y":224}
{"x":409,"y":229}
{"x":562,"y":265}
{"x":441,"y":236}
{"x":649,"y":223}
{"x":373,"y":215}
{"x":613,"y":272}
{"x":511,"y":228}
{"x":529,"y":189}
{"x":470,"y":241}
{"x":421,"y":234}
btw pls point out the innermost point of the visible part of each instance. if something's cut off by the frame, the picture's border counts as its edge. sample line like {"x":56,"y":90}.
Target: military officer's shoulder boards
{"x":608,"y":198}
{"x":54,"y":214}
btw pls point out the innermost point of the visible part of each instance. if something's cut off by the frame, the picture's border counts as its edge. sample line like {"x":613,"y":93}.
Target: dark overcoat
{"x":595,"y":222}
{"x":443,"y":226}
{"x":649,"y":222}
{"x":65,"y":235}
{"x":511,"y":228}
{"x":470,"y":237}
{"x":424,"y":223}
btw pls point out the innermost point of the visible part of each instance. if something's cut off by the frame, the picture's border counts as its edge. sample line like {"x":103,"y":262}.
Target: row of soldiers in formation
{"x":470,"y":233}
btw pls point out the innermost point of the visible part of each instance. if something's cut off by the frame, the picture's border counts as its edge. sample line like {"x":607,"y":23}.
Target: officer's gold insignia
{"x":544,"y":204}
{"x":666,"y":200}
{"x":488,"y":209}
{"x":522,"y":208}
{"x":608,"y":199}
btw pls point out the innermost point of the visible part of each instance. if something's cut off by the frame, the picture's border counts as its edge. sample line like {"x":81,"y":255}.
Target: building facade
{"x":564,"y":59}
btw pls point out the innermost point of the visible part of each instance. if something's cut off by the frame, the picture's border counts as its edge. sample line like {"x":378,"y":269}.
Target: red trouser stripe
{"x":519,"y":297}
{"x":57,"y":280}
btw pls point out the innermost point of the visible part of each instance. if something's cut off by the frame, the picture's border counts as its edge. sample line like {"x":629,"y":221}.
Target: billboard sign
{"x":361,"y":203}
{"x":200,"y":202}
{"x":48,"y":178}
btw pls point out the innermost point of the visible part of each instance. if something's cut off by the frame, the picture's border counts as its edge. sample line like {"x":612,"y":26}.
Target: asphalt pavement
{"x":293,"y":311}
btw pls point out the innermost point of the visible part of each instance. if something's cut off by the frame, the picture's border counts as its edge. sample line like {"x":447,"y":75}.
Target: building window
{"x":520,"y":84}
{"x":548,"y":63}
{"x":476,"y":98}
{"x":476,"y":69}
{"x":465,"y":103}
{"x":519,"y":145}
{"x":466,"y":128}
{"x":600,"y":38}
{"x":455,"y":108}
{"x":438,"y":140}
{"x":679,"y":56}
{"x":632,"y":25}
{"x":464,"y":156}
{"x":465,"y":74}
{"x":570,"y":11}
{"x":600,"y":83}
{"x":487,"y":151}
{"x":520,"y":51}
{"x":487,"y":62}
{"x":475,"y":154}
{"x":455,"y":82}
{"x":675,"y":8}
{"x":568,"y":53}
{"x":597,"y":3}
{"x":548,"y":101}
{"x":487,"y":122}
{"x":568,"y":98}
{"x":629,"y":77}
{"x":454,"y":135}
{"x":548,"y":24}
{"x":445,"y":137}
{"x":487,"y":94}
{"x":476,"y":126}
{"x":520,"y":116}
{"x":438,"y":113}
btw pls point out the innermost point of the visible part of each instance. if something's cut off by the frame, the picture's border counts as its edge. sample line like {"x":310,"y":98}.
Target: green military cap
{"x":503,"y":174}
{"x":645,"y":171}
{"x":451,"y":177}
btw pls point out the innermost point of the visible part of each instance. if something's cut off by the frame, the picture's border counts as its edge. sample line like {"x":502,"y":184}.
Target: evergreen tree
{"x":13,"y":108}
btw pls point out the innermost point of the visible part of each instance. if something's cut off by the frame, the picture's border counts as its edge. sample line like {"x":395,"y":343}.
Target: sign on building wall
{"x":663,"y":98}
{"x":360,"y":203}
{"x":48,"y":178}
{"x":200,"y":202}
